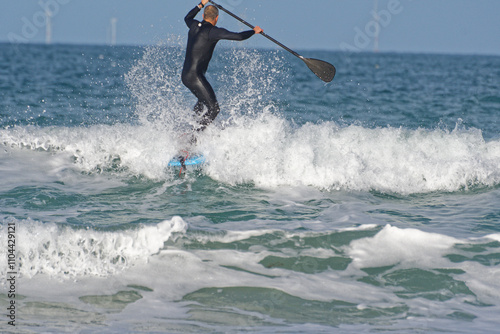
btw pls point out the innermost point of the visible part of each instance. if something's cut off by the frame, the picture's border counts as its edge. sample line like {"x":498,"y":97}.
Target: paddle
{"x":325,"y":71}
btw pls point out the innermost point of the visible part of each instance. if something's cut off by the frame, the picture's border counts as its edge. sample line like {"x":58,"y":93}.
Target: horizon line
{"x":443,"y":53}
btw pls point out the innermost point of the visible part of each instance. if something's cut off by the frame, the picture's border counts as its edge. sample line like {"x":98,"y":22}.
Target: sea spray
{"x":245,"y":82}
{"x":155,"y":85}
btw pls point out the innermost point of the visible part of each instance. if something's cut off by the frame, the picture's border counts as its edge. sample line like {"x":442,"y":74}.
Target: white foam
{"x":136,"y":150}
{"x":269,"y":152}
{"x":362,"y":227}
{"x":412,"y":248}
{"x":393,"y":245}
{"x":65,"y":252}
{"x":495,"y":236}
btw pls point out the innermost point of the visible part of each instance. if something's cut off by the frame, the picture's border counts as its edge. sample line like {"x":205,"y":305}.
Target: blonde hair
{"x":210,"y":13}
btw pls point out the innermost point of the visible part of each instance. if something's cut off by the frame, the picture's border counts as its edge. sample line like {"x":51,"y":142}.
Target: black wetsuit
{"x":202,"y":38}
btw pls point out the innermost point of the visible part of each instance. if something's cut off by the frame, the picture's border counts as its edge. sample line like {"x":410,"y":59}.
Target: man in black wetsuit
{"x":202,"y":38}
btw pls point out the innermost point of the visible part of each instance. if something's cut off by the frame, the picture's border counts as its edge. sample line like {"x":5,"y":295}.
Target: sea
{"x":370,"y":204}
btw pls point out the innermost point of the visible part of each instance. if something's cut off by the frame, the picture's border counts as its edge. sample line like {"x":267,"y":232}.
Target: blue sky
{"x":437,"y":26}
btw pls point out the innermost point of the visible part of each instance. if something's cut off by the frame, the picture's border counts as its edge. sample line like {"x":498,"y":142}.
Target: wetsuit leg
{"x":202,"y":89}
{"x":198,"y":108}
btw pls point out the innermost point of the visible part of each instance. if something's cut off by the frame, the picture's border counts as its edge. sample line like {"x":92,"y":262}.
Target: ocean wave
{"x":269,"y":151}
{"x":64,"y":252}
{"x":401,"y":265}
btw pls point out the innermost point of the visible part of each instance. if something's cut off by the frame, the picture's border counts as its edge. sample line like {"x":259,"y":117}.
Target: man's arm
{"x":221,"y":33}
{"x":189,"y":19}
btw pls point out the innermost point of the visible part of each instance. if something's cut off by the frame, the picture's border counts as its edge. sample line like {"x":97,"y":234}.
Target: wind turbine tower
{"x":113,"y":30}
{"x":377,"y":25}
{"x":48,"y":27}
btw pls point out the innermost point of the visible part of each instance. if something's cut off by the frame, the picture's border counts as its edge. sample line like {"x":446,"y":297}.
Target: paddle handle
{"x":252,"y":27}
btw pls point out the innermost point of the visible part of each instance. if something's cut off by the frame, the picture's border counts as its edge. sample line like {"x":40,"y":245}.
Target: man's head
{"x":211,"y":14}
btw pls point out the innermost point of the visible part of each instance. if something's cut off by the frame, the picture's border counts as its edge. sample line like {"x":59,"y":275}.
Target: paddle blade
{"x":325,"y":71}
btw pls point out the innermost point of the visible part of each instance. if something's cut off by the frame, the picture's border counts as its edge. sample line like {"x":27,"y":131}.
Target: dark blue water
{"x":368,"y":204}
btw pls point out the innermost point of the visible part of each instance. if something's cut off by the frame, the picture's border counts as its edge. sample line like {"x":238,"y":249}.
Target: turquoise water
{"x":371,"y":204}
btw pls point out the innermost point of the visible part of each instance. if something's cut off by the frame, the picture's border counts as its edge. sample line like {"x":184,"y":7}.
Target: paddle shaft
{"x":262,"y":33}
{"x":323,"y":70}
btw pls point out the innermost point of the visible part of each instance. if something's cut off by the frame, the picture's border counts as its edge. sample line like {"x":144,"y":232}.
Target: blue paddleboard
{"x":191,"y":160}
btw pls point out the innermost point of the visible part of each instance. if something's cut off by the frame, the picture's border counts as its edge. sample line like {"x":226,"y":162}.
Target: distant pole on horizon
{"x":377,"y":25}
{"x":48,"y":27}
{"x":113,"y":30}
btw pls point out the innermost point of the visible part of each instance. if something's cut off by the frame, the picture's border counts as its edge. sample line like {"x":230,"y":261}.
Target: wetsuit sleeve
{"x":189,"y":19}
{"x":221,"y":33}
